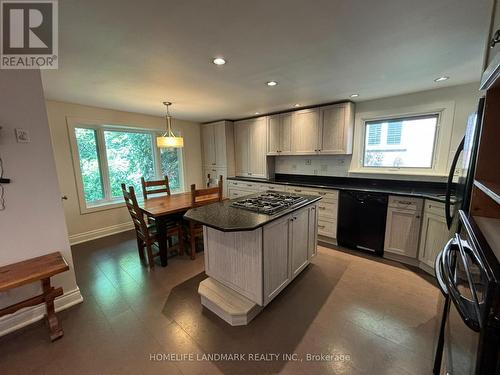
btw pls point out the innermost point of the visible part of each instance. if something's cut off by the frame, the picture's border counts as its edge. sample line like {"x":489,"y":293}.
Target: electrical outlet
{"x":22,"y":136}
{"x":341,"y":161}
{"x":294,"y":166}
{"x":308,"y":161}
{"x":324,"y":168}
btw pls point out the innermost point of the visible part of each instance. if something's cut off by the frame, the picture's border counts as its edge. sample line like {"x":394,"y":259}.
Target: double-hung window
{"x":405,"y":142}
{"x":106,"y":156}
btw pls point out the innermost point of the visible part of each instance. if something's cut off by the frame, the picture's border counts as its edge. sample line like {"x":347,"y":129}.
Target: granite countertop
{"x":225,"y":218}
{"x":433,"y":191}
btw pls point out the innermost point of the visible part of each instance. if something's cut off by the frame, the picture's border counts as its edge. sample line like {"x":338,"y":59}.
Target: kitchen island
{"x":250,"y":256}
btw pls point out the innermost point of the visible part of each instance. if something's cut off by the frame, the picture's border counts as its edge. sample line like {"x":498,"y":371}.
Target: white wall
{"x":82,"y":227}
{"x":32,"y":223}
{"x":465,"y":98}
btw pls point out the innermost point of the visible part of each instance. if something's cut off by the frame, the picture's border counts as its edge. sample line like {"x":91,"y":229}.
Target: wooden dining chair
{"x":160,"y":186}
{"x":146,"y":234}
{"x":201,"y":197}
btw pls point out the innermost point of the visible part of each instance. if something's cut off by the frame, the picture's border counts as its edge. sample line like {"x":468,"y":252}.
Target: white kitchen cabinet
{"x":218,"y":150}
{"x":327,"y":210}
{"x":273,"y":134}
{"x":402,"y":229}
{"x":238,"y":189}
{"x":234,"y":193}
{"x":305,"y":131}
{"x":272,"y":187}
{"x":323,"y":130}
{"x":258,"y":148}
{"x":251,"y":147}
{"x":299,"y":233}
{"x":241,"y":147}
{"x":312,"y":247}
{"x":289,"y":244}
{"x":277,"y":267}
{"x":434,"y":234}
{"x":337,"y":128}
{"x":279,"y":134}
{"x":208,"y":144}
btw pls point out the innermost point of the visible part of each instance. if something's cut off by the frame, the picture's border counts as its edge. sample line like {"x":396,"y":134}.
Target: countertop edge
{"x":279,"y":215}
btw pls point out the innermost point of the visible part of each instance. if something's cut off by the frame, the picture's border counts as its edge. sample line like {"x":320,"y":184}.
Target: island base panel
{"x":227,"y":304}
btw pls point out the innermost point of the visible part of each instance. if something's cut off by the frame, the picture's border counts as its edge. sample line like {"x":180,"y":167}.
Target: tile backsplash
{"x":334,"y":165}
{"x":331,"y":165}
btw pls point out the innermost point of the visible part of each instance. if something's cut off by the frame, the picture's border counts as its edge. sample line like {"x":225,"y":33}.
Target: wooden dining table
{"x":164,"y":208}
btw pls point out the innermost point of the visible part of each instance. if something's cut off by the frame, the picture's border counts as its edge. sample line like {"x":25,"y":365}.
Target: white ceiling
{"x":132,"y":55}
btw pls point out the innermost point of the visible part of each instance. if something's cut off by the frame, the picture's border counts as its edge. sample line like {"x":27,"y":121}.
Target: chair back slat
{"x":135,"y":212}
{"x":146,"y":184}
{"x":200,"y":197}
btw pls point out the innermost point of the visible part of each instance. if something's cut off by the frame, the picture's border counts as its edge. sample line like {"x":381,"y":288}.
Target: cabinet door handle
{"x":405,"y":202}
{"x":297,"y":190}
{"x":321,"y":226}
{"x":249,"y":174}
{"x":249,"y":185}
{"x":322,"y":208}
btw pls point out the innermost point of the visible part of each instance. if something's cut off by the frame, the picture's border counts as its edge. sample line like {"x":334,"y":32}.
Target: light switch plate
{"x":22,"y":136}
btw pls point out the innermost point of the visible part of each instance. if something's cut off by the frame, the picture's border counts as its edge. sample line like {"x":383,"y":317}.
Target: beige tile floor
{"x":376,"y":316}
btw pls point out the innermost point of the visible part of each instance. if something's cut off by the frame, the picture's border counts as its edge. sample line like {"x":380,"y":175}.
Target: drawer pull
{"x":249,"y":185}
{"x":321,"y":226}
{"x":297,"y":190}
{"x":322,"y":193}
{"x":322,"y":208}
{"x":405,"y":202}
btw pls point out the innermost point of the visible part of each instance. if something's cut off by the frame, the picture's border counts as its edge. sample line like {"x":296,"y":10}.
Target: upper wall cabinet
{"x":279,"y":134}
{"x":250,"y":139}
{"x":337,"y":128}
{"x":305,"y":131}
{"x":325,"y":130}
{"x":218,"y":146}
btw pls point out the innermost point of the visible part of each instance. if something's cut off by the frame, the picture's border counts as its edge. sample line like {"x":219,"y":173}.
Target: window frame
{"x":403,"y":118}
{"x":100,"y":127}
{"x":442,"y":141}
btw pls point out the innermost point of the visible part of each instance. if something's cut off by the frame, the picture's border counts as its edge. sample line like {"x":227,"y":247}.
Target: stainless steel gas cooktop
{"x":268,"y":202}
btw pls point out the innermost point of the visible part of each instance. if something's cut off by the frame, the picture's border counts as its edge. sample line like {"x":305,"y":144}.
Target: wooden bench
{"x":32,"y":270}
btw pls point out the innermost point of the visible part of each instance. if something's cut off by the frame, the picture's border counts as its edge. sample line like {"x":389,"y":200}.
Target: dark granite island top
{"x":223,"y":217}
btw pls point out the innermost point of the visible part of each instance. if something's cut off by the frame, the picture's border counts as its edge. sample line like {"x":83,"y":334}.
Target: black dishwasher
{"x":361,"y":219}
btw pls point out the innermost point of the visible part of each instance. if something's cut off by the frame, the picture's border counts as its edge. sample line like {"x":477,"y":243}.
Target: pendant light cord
{"x":169,"y":122}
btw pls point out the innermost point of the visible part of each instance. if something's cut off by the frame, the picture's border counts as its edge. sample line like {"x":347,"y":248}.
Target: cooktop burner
{"x":268,"y":202}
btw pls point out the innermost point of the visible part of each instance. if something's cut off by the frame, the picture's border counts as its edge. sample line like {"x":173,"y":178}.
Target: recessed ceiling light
{"x":441,"y":79}
{"x":219,"y":61}
{"x":272,"y":83}
{"x":257,"y":113}
{"x":296,"y":105}
{"x":354,"y":95}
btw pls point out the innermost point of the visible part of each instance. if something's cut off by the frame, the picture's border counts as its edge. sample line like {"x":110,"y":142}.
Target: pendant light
{"x":169,"y":139}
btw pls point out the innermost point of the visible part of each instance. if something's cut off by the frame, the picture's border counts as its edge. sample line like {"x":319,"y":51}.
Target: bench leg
{"x":55,"y":328}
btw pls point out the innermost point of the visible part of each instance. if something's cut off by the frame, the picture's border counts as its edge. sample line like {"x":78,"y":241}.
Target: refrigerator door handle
{"x":447,"y":202}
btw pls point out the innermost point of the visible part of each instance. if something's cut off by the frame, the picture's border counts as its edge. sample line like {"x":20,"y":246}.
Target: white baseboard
{"x":33,"y":314}
{"x":99,"y":233}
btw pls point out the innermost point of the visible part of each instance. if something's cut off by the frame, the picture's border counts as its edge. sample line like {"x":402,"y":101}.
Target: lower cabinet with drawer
{"x":402,"y":230}
{"x":327,"y":211}
{"x":434,"y":234}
